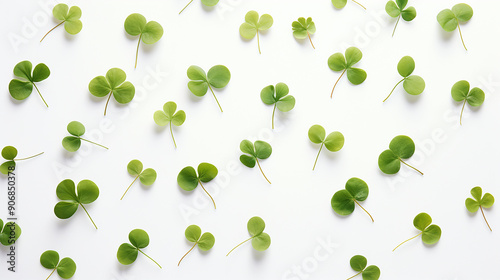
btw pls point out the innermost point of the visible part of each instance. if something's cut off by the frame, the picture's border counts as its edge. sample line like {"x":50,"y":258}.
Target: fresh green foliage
{"x":343,"y":202}
{"x":169,"y":116}
{"x":9,"y":233}
{"x":358,"y":263}
{"x":209,"y":3}
{"x":127,"y":252}
{"x":397,"y":9}
{"x":86,"y":193}
{"x":113,"y":84}
{"x":217,"y":77}
{"x":451,"y":19}
{"x":278,"y":96}
{"x":430,"y":233}
{"x":254,"y":152}
{"x":72,"y":143}
{"x":339,"y":4}
{"x":69,"y":16}
{"x":412,"y":84}
{"x":66,"y":268}
{"x":479,"y":202}
{"x":193,"y":234}
{"x":260,"y":240}
{"x":10,"y":153}
{"x":147,"y":176}
{"x":188,"y":180}
{"x":461,"y":92}
{"x":150,"y":32}
{"x":303,"y":28}
{"x":333,"y":142}
{"x":253,"y":24}
{"x":401,"y":147}
{"x":21,"y":88}
{"x":337,"y":62}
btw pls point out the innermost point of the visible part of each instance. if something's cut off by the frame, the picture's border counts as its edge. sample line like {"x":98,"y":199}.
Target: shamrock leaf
{"x":86,"y":193}
{"x":412,"y":84}
{"x":113,"y":84}
{"x":188,"y":180}
{"x":9,"y":233}
{"x":127,"y":252}
{"x":339,"y":4}
{"x":451,"y":19}
{"x":260,"y":240}
{"x":343,"y":202}
{"x":193,"y":234}
{"x":430,"y":233}
{"x":278,"y":96}
{"x":150,"y":32}
{"x":460,"y":92}
{"x":170,"y":116}
{"x":337,"y":62}
{"x":253,"y":24}
{"x":397,"y":9}
{"x":333,"y":142}
{"x":135,"y":168}
{"x":358,"y":263}
{"x":479,"y":202}
{"x":303,"y":28}
{"x":254,"y":152}
{"x":72,"y":143}
{"x":10,"y":153}
{"x":20,"y":89}
{"x":69,"y":16}
{"x":209,"y":3}
{"x":401,"y":147}
{"x":217,"y":77}
{"x":66,"y":268}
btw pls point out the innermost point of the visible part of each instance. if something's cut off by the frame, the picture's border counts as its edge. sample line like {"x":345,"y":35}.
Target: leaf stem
{"x":51,"y":273}
{"x":215,"y":97}
{"x":359,"y":4}
{"x":274,"y":109}
{"x":262,"y":171}
{"x":258,"y":41}
{"x":317,"y":156}
{"x":309,"y":35}
{"x":364,"y":210}
{"x":355,"y":275}
{"x":331,"y":96}
{"x":461,"y":113}
{"x":95,"y":143}
{"x":408,"y":240}
{"x":239,"y":245}
{"x":462,"y":38}
{"x":107,"y":102}
{"x":215,"y":207}
{"x":482,"y":212}
{"x":40,"y":95}
{"x":129,"y":187}
{"x":185,"y":7}
{"x":396,"y":25}
{"x":172,"y":133}
{"x":187,"y":253}
{"x":88,"y":215}
{"x":137,"y":51}
{"x":51,"y":31}
{"x":411,"y":167}
{"x":28,"y":157}
{"x":149,"y":258}
{"x":393,"y":89}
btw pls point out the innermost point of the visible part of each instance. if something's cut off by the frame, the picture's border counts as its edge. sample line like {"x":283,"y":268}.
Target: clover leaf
{"x":9,"y":233}
{"x":170,"y":116}
{"x":461,"y":92}
{"x":479,"y":202}
{"x":430,"y":233}
{"x":66,"y":268}
{"x":303,"y":28}
{"x":149,"y":32}
{"x":278,"y":96}
{"x":397,"y":9}
{"x":147,"y":176}
{"x":128,"y":252}
{"x":253,"y":24}
{"x":217,"y":77}
{"x":343,"y":201}
{"x":358,"y":263}
{"x":20,"y":89}
{"x":401,"y":147}
{"x":188,"y":179}
{"x":451,"y":19}
{"x":333,"y":142}
{"x":339,"y":4}
{"x":10,"y":153}
{"x":72,"y":143}
{"x":113,"y":84}
{"x":260,"y":240}
{"x":193,"y":234}
{"x":254,"y":152}
{"x":412,"y":84}
{"x":337,"y":62}
{"x":69,"y":16}
{"x":86,"y":193}
{"x":209,"y":3}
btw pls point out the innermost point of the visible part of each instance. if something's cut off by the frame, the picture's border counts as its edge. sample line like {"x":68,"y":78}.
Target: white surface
{"x":296,"y":207}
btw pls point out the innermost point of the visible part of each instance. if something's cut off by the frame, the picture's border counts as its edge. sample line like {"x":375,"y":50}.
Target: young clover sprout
{"x":337,"y":62}
{"x":69,"y":16}
{"x":150,"y":32}
{"x":479,"y":202}
{"x":217,"y":77}
{"x":343,"y":202}
{"x":397,"y":9}
{"x":135,"y":168}
{"x":86,"y":193}
{"x":170,"y":116}
{"x":278,"y":96}
{"x":72,"y":143}
{"x":461,"y":92}
{"x":358,"y":263}
{"x":253,"y":25}
{"x":451,"y":19}
{"x":113,"y":84}
{"x":188,"y":180}
{"x":412,"y":84}
{"x":333,"y":142}
{"x":259,"y":150}
{"x":430,"y":233}
{"x":21,"y":89}
{"x":209,"y":3}
{"x":401,"y":147}
{"x":10,"y":153}
{"x":260,"y":240}
{"x":193,"y":234}
{"x":127,"y":253}
{"x":339,"y":4}
{"x":7,"y":237}
{"x":66,"y":268}
{"x":303,"y":28}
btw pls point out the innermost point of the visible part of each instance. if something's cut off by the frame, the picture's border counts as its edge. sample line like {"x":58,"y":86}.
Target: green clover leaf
{"x":69,"y":16}
{"x":253,"y":24}
{"x":358,"y":263}
{"x":412,"y":84}
{"x":128,"y":252}
{"x":9,"y":233}
{"x":217,"y":77}
{"x":430,"y":233}
{"x":260,"y":240}
{"x":479,"y":201}
{"x":451,"y":19}
{"x":10,"y":153}
{"x":209,"y":3}
{"x":21,"y":88}
{"x":86,"y":193}
{"x":147,"y":176}
{"x":254,"y":152}
{"x":73,"y":143}
{"x":333,"y":142}
{"x":461,"y":92}
{"x":337,"y":62}
{"x":303,"y":28}
{"x":193,"y":234}
{"x":401,"y":147}
{"x":169,"y":116}
{"x":149,"y":32}
{"x":65,"y":268}
{"x":278,"y":96}
{"x":343,"y":201}
{"x":397,"y":9}
{"x":188,"y":179}
{"x":113,"y":84}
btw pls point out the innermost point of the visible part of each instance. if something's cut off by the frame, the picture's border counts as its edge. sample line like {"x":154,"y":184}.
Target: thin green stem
{"x":274,"y":110}
{"x":40,"y":95}
{"x":107,"y":102}
{"x":396,"y":25}
{"x":215,"y":97}
{"x":482,"y":212}
{"x":317,"y":156}
{"x":461,"y":113}
{"x":407,"y":240}
{"x":411,"y":167}
{"x":88,"y":215}
{"x":129,"y":187}
{"x":258,"y":41}
{"x":393,"y":89}
{"x":51,"y":273}
{"x":137,"y":51}
{"x":28,"y":157}
{"x":239,"y":245}
{"x":149,"y":258}
{"x":187,"y":253}
{"x":331,"y":95}
{"x":95,"y":143}
{"x":359,"y":4}
{"x":262,"y":171}
{"x":185,"y":7}
{"x":51,"y":30}
{"x":355,"y":275}
{"x":462,"y":38}
{"x":172,"y":133}
{"x":310,"y":40}
{"x":364,"y":210}
{"x":213,"y":201}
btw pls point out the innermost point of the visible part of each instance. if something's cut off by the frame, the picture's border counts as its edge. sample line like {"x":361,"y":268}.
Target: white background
{"x":296,"y":207}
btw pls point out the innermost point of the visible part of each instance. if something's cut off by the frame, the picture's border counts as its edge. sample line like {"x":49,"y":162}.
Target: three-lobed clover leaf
{"x":217,"y":77}
{"x":193,"y":234}
{"x":136,"y":169}
{"x":412,"y":84}
{"x":339,"y":62}
{"x":169,"y":116}
{"x":401,"y":147}
{"x":209,"y":3}
{"x":451,"y":19}
{"x":397,"y":9}
{"x":461,"y":92}
{"x":254,"y":152}
{"x":188,"y":179}
{"x":339,"y":4}
{"x":278,"y":96}
{"x":303,"y":28}
{"x":343,"y":201}
{"x":69,"y":16}
{"x":149,"y":32}
{"x":86,"y":193}
{"x":21,"y":88}
{"x":333,"y":142}
{"x":358,"y":263}
{"x":479,"y":202}
{"x":65,"y":268}
{"x":113,"y":84}
{"x":430,"y":233}
{"x":9,"y":153}
{"x":73,"y":143}
{"x":128,"y":252}
{"x":253,"y":24}
{"x":9,"y":233}
{"x":260,"y":240}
